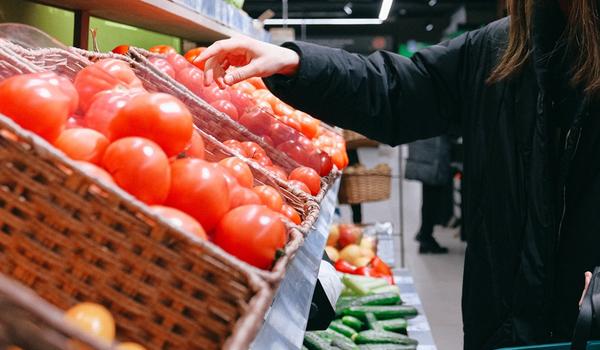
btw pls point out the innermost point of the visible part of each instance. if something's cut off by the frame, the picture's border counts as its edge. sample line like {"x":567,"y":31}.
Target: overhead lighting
{"x":386,"y":6}
{"x":429,"y":27}
{"x":432,"y":3}
{"x":348,"y":8}
{"x":324,"y":21}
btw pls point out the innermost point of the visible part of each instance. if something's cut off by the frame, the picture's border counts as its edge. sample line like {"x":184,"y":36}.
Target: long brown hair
{"x":583,"y":35}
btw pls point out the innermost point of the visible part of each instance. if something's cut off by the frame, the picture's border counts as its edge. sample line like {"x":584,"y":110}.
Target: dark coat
{"x":531,"y":210}
{"x":429,"y":161}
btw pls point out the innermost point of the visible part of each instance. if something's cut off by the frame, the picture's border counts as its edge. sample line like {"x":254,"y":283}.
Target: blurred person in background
{"x":525,"y":91}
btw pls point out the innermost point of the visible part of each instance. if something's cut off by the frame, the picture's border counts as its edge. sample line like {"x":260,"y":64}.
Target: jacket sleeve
{"x":384,"y":96}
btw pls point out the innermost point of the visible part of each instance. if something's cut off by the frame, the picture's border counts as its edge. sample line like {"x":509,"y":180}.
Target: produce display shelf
{"x":287,"y":318}
{"x":161,"y":16}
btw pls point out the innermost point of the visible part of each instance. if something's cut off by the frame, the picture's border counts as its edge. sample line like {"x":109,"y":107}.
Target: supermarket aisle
{"x":438,"y":278}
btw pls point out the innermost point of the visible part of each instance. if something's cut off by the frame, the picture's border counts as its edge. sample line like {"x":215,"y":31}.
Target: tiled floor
{"x":438,"y":278}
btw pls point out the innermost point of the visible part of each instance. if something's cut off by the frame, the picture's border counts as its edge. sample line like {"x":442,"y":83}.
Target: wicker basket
{"x":71,"y":239}
{"x":29,"y":322}
{"x":355,"y":140}
{"x":360,"y":184}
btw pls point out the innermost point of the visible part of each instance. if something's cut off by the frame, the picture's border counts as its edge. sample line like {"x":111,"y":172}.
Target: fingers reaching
{"x":588,"y":278}
{"x":235,"y":75}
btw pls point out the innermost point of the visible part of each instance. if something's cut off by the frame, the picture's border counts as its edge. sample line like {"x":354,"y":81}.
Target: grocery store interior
{"x":297,"y":235}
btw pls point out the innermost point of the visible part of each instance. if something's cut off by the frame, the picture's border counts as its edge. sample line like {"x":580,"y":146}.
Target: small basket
{"x":30,"y":323}
{"x":355,"y":140}
{"x":360,"y":184}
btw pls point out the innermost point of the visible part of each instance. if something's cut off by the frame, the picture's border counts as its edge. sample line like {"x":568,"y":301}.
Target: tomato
{"x":281,"y":133}
{"x":179,"y":219}
{"x":325,"y":163}
{"x":240,"y":170}
{"x":103,"y":75}
{"x":163,"y":65}
{"x":178,"y":62}
{"x":226,"y":107}
{"x":121,"y":49}
{"x":240,"y":100}
{"x":338,"y":158}
{"x":159,"y":117}
{"x":163,"y":49}
{"x":309,"y":124}
{"x":257,"y":121}
{"x":213,"y":93}
{"x":94,"y":171}
{"x":73,"y":122}
{"x":199,"y":189}
{"x":92,"y":319}
{"x":82,"y":144}
{"x":293,"y":123}
{"x":35,"y":104}
{"x":65,"y":85}
{"x":252,"y":149}
{"x":130,"y":346}
{"x":192,"y":54}
{"x":309,"y":177}
{"x":196,"y":149}
{"x":192,"y":78}
{"x":240,"y":195}
{"x":268,"y":140}
{"x":269,"y":196}
{"x":140,"y":167}
{"x":263,"y":160}
{"x":282,"y":109}
{"x":104,"y":108}
{"x":265,"y":106}
{"x":257,"y":82}
{"x":232,"y":182}
{"x":294,"y":150}
{"x":237,"y":146}
{"x":291,"y":214}
{"x":278,"y":171}
{"x":245,"y":87}
{"x":299,"y":185}
{"x":252,"y":233}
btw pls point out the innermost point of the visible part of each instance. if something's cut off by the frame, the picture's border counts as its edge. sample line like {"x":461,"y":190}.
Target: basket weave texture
{"x":360,"y":184}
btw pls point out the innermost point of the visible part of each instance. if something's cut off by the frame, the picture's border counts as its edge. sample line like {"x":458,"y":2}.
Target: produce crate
{"x":31,"y":323}
{"x":224,"y":128}
{"x":360,"y":184}
{"x":72,"y":238}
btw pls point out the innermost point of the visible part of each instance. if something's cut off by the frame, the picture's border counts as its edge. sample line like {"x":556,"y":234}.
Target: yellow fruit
{"x":362,"y":261}
{"x":93,"y":319}
{"x":368,"y":242}
{"x":350,"y":253}
{"x":332,"y":253}
{"x":366,"y":253}
{"x":334,"y":235}
{"x":130,"y":346}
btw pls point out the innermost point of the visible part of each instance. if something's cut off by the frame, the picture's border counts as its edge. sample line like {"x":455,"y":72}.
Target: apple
{"x":332,"y":253}
{"x":349,"y":234}
{"x":334,"y":235}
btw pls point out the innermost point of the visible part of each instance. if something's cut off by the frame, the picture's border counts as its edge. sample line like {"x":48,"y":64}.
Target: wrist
{"x":290,"y":64}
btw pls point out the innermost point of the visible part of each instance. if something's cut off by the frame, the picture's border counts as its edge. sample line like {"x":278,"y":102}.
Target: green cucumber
{"x":353,"y":322}
{"x":386,"y":289}
{"x":386,"y":347}
{"x":342,"y":329}
{"x":372,"y":322}
{"x":381,"y":312}
{"x":314,"y":342}
{"x":337,"y":340}
{"x":304,"y":348}
{"x":394,"y":325}
{"x":355,"y":285}
{"x":383,"y":337}
{"x":378,"y":299}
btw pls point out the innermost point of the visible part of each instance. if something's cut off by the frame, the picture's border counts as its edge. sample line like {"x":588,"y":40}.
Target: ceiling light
{"x":386,"y":6}
{"x":324,"y":21}
{"x":432,"y":3}
{"x":429,"y":27}
{"x":348,"y":8}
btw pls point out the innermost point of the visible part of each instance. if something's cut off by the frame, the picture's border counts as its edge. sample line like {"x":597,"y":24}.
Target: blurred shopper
{"x":525,"y":90}
{"x":356,"y":208}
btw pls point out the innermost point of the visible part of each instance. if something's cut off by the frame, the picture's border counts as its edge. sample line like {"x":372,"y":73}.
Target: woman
{"x":525,"y":92}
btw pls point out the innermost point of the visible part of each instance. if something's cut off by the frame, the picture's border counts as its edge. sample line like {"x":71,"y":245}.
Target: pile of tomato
{"x":145,"y":142}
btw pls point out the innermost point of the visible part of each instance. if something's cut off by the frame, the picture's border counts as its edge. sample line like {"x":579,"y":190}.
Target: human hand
{"x":233,"y":60}
{"x":588,"y":278}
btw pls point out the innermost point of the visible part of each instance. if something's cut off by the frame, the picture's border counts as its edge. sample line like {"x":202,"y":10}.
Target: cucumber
{"x":337,"y":340}
{"x":342,"y":329}
{"x":381,"y":312}
{"x":372,"y":322}
{"x":352,"y":322}
{"x":355,"y":285}
{"x":378,"y":299}
{"x":304,"y":348}
{"x":394,"y":325}
{"x":386,"y":289}
{"x":368,"y":282}
{"x":383,"y":337}
{"x":386,"y":347}
{"x":314,"y":342}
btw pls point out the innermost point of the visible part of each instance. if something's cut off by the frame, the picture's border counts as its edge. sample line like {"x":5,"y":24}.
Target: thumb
{"x":237,"y":74}
{"x":588,"y":278}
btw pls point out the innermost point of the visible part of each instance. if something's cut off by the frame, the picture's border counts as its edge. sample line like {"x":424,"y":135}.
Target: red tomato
{"x":281,"y":133}
{"x":163,"y":65}
{"x":232,"y":182}
{"x":261,"y":94}
{"x":226,"y":107}
{"x":257,"y":121}
{"x":282,"y":109}
{"x":179,"y":219}
{"x":163,"y":49}
{"x":300,"y":185}
{"x":240,"y":100}
{"x":35,"y":104}
{"x":140,"y":167}
{"x":265,"y":106}
{"x":252,"y":233}
{"x":192,"y":78}
{"x":121,"y":49}
{"x":103,"y":75}
{"x":92,"y":319}
{"x":245,"y":87}
{"x":263,"y":160}
{"x":326,"y":164}
{"x":239,"y":196}
{"x":82,"y":144}
{"x":192,"y":54}
{"x":73,"y":122}
{"x":65,"y":85}
{"x":159,"y":117}
{"x":178,"y":62}
{"x":94,"y":171}
{"x":309,"y":177}
{"x":213,"y":93}
{"x":199,"y":189}
{"x":104,"y":108}
{"x":196,"y":149}
{"x":253,"y":150}
{"x":237,"y":146}
{"x":269,"y":196}
{"x":293,"y":149}
{"x":293,"y":123}
{"x":309,"y":124}
{"x":338,"y":158}
{"x":291,"y":214}
{"x":278,"y":171}
{"x":240,"y":170}
{"x":257,"y":82}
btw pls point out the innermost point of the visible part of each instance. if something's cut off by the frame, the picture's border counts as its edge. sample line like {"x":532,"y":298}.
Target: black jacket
{"x":531,"y":209}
